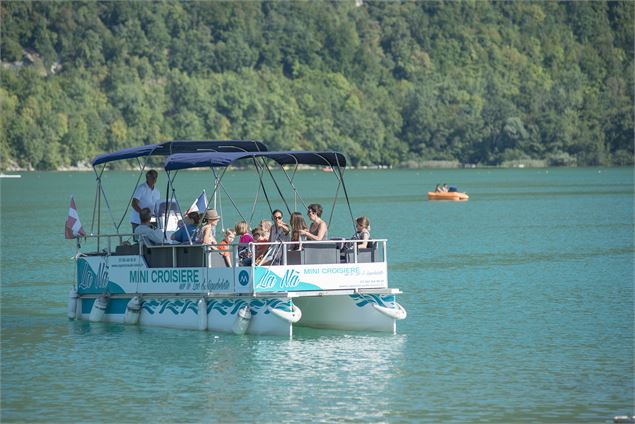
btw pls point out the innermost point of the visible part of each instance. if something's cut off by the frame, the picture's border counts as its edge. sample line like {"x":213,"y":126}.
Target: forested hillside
{"x":389,"y":83}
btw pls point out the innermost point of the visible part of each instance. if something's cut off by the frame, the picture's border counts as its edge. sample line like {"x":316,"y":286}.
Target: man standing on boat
{"x":146,"y":195}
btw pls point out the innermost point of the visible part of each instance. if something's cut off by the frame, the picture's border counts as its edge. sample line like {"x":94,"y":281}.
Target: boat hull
{"x":339,"y":312}
{"x":452,"y":196}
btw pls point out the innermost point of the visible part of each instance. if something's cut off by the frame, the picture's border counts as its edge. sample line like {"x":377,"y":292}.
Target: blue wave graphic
{"x":222,"y":306}
{"x":365,"y":299}
{"x":177,"y":307}
{"x":232,"y":306}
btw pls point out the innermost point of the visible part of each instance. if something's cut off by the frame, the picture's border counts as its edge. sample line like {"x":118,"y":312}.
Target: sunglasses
{"x":277,"y":217}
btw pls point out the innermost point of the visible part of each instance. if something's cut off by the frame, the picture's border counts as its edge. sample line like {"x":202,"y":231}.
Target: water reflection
{"x":304,"y":375}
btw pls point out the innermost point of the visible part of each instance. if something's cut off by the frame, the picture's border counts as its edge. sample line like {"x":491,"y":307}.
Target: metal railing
{"x":252,"y":254}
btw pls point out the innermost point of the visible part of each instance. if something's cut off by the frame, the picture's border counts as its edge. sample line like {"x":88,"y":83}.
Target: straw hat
{"x":211,"y":215}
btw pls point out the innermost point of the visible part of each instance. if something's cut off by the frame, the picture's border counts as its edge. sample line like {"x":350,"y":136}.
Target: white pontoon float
{"x":326,"y":284}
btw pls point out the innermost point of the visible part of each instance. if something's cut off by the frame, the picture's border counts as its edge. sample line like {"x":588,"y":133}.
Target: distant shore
{"x":531,"y":164}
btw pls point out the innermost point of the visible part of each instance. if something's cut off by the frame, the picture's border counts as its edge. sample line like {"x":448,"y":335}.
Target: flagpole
{"x":99,"y":215}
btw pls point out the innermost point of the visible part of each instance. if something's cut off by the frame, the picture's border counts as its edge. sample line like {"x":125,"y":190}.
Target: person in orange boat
{"x":437,"y":189}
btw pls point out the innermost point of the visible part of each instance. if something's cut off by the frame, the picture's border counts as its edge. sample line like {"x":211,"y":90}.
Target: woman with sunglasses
{"x":279,"y":230}
{"x":318,"y":229}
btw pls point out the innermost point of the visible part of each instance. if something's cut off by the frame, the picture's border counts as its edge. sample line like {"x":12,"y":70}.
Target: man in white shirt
{"x":148,"y":235}
{"x":146,"y":195}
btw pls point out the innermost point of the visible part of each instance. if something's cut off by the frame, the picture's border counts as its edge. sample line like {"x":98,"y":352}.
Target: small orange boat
{"x":447,"y":195}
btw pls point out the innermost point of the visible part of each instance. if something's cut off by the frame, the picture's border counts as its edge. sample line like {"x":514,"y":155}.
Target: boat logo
{"x":243,"y":278}
{"x":87,"y":278}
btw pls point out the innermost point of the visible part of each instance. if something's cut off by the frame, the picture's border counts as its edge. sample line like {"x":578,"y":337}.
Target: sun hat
{"x":211,"y":215}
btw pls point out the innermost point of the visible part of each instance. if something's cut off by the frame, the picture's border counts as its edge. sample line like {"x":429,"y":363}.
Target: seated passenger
{"x":146,"y":233}
{"x":445,"y":188}
{"x":265,"y":225}
{"x":261,"y":249}
{"x":298,"y":226}
{"x":244,"y":253}
{"x":224,"y":246}
{"x":206,"y":233}
{"x":279,"y":230}
{"x":190,"y":227}
{"x":438,"y":189}
{"x":318,"y":229}
{"x":363,"y":233}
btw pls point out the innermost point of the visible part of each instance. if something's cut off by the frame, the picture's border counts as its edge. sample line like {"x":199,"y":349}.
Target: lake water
{"x":520,"y":309}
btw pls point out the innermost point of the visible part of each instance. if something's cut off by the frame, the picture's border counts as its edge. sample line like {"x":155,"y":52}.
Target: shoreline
{"x":318,"y":168}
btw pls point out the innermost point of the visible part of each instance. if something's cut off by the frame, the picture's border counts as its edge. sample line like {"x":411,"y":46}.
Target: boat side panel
{"x":320,"y":277}
{"x":350,"y":312}
{"x":129,"y":274}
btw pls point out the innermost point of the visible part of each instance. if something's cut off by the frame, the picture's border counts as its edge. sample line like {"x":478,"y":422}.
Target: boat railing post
{"x":385,"y":252}
{"x":174,"y":264}
{"x":252,"y":247}
{"x":284,"y":252}
{"x":355,"y":252}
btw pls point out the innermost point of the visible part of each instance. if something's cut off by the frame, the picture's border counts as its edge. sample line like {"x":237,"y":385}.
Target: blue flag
{"x":199,"y":205}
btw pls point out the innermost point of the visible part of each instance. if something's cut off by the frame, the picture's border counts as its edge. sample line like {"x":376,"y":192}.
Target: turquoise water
{"x":520,"y":309}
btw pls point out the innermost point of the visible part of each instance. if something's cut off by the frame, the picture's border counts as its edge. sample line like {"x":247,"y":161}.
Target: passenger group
{"x":146,"y":197}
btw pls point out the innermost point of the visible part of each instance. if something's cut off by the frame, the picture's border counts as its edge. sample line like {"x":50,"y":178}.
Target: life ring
{"x":292,"y":316}
{"x":398,"y":312}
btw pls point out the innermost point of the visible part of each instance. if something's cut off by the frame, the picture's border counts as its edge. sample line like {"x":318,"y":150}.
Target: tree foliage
{"x":386,"y":82}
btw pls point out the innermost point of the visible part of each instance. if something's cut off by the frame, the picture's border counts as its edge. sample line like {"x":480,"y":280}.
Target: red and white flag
{"x":73,"y":226}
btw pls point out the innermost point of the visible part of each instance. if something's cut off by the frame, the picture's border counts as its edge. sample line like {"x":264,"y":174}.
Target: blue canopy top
{"x":184,"y":147}
{"x":223,"y":159}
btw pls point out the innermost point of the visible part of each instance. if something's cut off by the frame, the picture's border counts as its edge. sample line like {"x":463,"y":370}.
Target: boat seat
{"x":158,"y":257}
{"x":322,"y":253}
{"x":126,"y":249}
{"x":215,"y":260}
{"x":294,"y":257}
{"x":364,"y":255}
{"x":190,"y":256}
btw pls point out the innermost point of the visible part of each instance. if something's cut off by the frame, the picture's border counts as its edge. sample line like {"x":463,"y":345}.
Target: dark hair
{"x":152,"y":172}
{"x":195,"y":217}
{"x":276,"y":210}
{"x":145,"y":215}
{"x":316,"y":208}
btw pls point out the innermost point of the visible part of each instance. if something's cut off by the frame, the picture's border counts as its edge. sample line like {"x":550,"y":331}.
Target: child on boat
{"x":224,"y":245}
{"x":244,"y":253}
{"x":362,"y":225}
{"x":261,"y":249}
